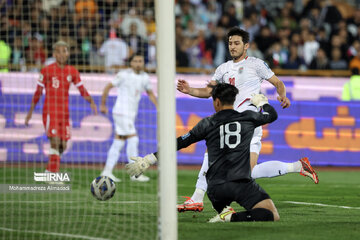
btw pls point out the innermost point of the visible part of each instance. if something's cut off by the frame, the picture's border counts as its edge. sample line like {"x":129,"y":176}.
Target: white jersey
{"x":129,"y":88}
{"x":247,"y":76}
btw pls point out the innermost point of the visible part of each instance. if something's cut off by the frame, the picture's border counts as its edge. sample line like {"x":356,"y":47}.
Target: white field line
{"x":67,"y":235}
{"x":112,"y":202}
{"x":321,"y":205}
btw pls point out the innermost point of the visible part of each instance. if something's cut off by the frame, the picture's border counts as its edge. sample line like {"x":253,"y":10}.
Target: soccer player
{"x":56,"y":79}
{"x":246,"y":74}
{"x":228,"y":134}
{"x":130,"y":84}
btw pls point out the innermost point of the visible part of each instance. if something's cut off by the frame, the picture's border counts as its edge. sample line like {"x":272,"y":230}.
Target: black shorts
{"x":247,"y":193}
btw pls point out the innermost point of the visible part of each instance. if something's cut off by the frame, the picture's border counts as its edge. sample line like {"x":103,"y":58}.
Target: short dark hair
{"x":236,"y":31}
{"x":137,"y":54}
{"x":225,"y":92}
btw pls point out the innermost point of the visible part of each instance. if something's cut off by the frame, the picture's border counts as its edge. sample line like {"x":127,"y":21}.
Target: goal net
{"x":101,"y":38}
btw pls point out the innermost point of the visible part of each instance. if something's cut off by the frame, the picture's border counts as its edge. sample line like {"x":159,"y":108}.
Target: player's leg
{"x":276,"y":168}
{"x":195,"y":203}
{"x":54,"y":154}
{"x":133,"y":151}
{"x":252,"y":197}
{"x":112,"y":157}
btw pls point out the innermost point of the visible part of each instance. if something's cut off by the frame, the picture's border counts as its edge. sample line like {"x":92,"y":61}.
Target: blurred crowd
{"x":297,"y":34}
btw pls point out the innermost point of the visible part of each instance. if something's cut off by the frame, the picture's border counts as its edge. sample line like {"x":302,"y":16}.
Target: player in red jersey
{"x":56,"y":79}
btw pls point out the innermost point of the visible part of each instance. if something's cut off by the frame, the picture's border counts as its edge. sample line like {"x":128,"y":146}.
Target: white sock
{"x":294,"y":167}
{"x":113,"y":155}
{"x":198,"y":195}
{"x":201,"y":184}
{"x":269,"y":169}
{"x":132,"y":148}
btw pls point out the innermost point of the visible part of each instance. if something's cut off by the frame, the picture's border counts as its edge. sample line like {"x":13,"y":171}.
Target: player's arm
{"x":152,"y":97}
{"x":184,"y":87}
{"x":104,"y":96}
{"x":281,"y":90}
{"x":84,"y":93}
{"x":142,"y":163}
{"x":35,"y":100}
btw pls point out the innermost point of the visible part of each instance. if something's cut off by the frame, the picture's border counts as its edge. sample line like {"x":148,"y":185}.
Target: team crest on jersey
{"x":68,"y":78}
{"x":241,"y":69}
{"x":41,"y":77}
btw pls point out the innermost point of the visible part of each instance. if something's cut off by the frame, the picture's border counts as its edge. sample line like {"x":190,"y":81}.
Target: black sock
{"x":257,"y":214}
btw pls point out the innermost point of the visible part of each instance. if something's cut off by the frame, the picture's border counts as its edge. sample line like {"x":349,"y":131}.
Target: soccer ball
{"x":103,"y":188}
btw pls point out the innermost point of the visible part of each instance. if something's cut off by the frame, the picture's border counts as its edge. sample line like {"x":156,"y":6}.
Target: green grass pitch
{"x":132,"y":213}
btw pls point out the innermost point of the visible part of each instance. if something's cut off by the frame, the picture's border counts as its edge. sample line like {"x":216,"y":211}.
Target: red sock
{"x":54,"y":163}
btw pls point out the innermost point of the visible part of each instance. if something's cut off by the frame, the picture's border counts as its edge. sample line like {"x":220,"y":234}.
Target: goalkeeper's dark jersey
{"x":228,"y":134}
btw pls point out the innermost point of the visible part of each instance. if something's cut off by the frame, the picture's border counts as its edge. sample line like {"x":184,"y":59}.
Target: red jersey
{"x":56,"y":82}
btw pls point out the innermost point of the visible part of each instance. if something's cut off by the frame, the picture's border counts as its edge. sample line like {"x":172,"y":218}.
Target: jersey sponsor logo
{"x":266,"y":65}
{"x":232,"y":81}
{"x":185,"y":136}
{"x":41,"y":78}
{"x":69,"y":78}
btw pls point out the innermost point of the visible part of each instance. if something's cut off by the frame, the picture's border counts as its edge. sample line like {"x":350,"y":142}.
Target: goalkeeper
{"x":228,"y":134}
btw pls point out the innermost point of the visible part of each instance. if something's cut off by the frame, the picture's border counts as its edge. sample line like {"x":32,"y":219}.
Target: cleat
{"x":224,"y":216}
{"x":111,"y":176}
{"x":190,"y":205}
{"x":307,"y":170}
{"x":141,"y":178}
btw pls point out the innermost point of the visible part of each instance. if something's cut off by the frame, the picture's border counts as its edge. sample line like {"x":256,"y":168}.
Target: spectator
{"x":355,"y":61}
{"x":294,"y":60}
{"x":310,"y":46}
{"x":351,"y":89}
{"x":5,"y":54}
{"x":265,"y":39}
{"x":95,"y":58}
{"x":150,"y":22}
{"x":253,"y":51}
{"x":131,"y":18}
{"x":320,"y":61}
{"x":217,"y":45}
{"x":135,"y":42}
{"x":191,"y":31}
{"x":337,"y":62}
{"x":115,"y":51}
{"x":209,"y":15}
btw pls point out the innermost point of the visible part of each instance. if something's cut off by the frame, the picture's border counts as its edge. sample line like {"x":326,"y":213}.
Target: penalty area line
{"x":67,"y":235}
{"x":321,"y":205}
{"x":111,"y":202}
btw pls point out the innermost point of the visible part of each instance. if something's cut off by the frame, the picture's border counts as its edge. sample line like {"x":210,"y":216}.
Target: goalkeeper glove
{"x":259,"y":100}
{"x":140,"y":164}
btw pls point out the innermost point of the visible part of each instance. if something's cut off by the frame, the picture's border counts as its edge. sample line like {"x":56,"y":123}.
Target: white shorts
{"x":124,"y":125}
{"x":255,"y":145}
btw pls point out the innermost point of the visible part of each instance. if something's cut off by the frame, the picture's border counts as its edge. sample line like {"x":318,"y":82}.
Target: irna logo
{"x":51,"y":177}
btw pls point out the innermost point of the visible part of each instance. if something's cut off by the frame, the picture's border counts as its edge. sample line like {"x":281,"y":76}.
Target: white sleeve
{"x":118,"y":79}
{"x":103,"y":48}
{"x":147,"y":83}
{"x":263,"y":70}
{"x":219,"y":73}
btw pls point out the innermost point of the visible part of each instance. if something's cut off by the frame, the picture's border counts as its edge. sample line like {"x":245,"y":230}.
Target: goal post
{"x":165,"y":52}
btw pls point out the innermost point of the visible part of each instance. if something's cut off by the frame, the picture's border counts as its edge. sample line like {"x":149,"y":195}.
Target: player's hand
{"x":284,"y":101}
{"x":103,"y":109}
{"x":259,"y":100}
{"x":94,"y":108}
{"x":140,"y":164}
{"x":183,"y":86}
{"x":27,"y":119}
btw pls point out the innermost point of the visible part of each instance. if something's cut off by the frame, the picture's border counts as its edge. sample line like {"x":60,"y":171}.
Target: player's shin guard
{"x":132,"y":148}
{"x":269,"y":169}
{"x":113,"y":155}
{"x":257,"y":214}
{"x":54,"y":161}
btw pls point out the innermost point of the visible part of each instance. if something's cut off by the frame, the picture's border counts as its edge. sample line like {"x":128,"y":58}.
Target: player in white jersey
{"x":247,"y":74}
{"x":130,"y":84}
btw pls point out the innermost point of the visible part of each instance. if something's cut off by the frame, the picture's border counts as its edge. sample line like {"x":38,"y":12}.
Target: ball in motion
{"x":103,"y":188}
